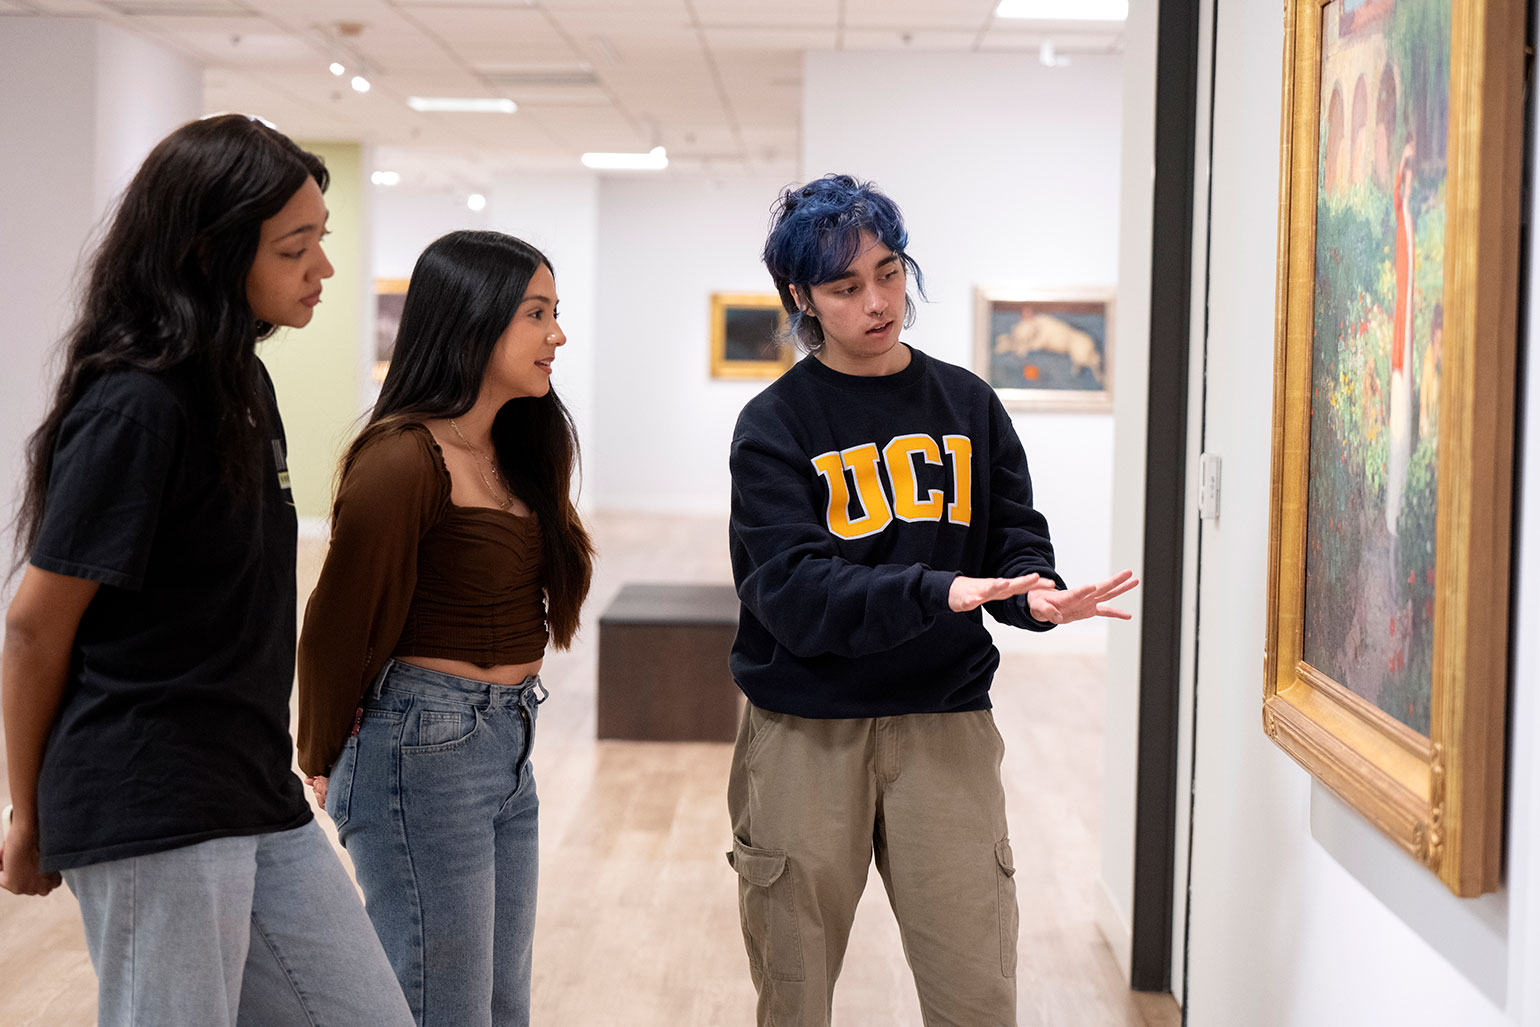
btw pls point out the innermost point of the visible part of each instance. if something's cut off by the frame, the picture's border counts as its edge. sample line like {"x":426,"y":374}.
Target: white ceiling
{"x":718,"y":82}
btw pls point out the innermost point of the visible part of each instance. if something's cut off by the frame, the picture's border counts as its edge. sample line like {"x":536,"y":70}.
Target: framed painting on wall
{"x":1393,"y":416}
{"x":389,"y":298}
{"x":748,"y":336}
{"x":1045,"y":350}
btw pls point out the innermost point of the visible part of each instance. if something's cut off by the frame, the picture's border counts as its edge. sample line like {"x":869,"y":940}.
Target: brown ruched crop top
{"x":410,"y":574}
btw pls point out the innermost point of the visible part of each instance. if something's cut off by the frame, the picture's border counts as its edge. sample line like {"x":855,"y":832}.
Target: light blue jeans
{"x":262,"y":931}
{"x":434,"y":799}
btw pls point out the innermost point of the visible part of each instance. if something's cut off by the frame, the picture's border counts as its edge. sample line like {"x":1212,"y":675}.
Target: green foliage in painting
{"x":1403,"y":694}
{"x":1418,"y":41}
{"x":1370,"y":591}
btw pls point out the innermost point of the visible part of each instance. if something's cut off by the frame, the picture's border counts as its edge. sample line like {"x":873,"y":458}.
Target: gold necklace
{"x":498,"y":474}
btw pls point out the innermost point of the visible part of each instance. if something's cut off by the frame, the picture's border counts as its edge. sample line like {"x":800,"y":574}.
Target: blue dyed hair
{"x":815,"y":233}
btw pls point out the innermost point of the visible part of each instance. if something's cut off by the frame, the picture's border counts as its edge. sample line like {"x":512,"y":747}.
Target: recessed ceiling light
{"x":463,"y":104}
{"x":476,"y":201}
{"x":655,"y":159}
{"x":1064,"y":10}
{"x":360,"y":84}
{"x":337,"y":68}
{"x":386,"y":178}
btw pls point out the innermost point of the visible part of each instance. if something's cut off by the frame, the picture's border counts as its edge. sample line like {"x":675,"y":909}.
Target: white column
{"x":81,"y":103}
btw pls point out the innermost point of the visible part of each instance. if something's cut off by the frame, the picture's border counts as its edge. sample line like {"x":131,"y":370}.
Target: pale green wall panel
{"x":317,"y":369}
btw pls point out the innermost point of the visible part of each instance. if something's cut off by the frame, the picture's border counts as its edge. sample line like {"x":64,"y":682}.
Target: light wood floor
{"x":638,"y":920}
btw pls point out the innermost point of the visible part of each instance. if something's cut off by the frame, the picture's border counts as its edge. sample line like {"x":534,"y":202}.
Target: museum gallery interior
{"x":1254,"y":284}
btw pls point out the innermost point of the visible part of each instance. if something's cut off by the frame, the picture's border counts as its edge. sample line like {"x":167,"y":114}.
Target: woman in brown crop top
{"x":455,"y":549}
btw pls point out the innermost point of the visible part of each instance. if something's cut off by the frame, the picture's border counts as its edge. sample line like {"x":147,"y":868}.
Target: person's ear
{"x":803,"y":303}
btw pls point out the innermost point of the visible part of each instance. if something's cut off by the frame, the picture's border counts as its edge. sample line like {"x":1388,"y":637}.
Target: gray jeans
{"x":261,"y":931}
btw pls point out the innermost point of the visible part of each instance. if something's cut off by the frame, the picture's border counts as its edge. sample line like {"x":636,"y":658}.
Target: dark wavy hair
{"x":166,"y":288}
{"x":815,"y":232}
{"x":463,"y":294}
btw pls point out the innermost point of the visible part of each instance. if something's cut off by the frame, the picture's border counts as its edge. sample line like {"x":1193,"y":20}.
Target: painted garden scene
{"x":1376,"y":352}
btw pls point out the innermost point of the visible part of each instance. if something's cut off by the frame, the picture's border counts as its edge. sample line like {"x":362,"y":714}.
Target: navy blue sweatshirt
{"x":855,"y":502}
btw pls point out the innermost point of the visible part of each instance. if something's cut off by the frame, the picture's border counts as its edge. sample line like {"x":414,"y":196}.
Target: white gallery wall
{"x":664,"y":424}
{"x":1008,"y":173}
{"x":1130,"y":384}
{"x":81,"y":103}
{"x":1300,"y":913}
{"x":406,"y":220}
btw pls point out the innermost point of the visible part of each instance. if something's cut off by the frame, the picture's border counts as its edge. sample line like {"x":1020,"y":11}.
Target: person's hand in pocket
{"x":318,"y":785}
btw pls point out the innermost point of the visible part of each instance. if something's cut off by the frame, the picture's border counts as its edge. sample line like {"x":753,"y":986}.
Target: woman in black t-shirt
{"x":149,"y":651}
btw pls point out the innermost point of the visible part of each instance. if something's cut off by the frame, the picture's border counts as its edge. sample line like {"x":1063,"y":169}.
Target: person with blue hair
{"x":880,"y":501}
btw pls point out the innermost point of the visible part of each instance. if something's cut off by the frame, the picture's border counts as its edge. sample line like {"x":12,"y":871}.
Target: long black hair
{"x":166,"y":288}
{"x":464,"y":291}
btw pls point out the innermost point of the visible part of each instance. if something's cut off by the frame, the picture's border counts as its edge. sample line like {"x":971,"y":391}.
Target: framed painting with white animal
{"x":1385,"y":668}
{"x":1045,"y":349}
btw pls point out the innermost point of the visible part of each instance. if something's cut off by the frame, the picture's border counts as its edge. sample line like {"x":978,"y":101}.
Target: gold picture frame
{"x":1360,"y":234}
{"x":748,"y":336}
{"x":389,"y":295}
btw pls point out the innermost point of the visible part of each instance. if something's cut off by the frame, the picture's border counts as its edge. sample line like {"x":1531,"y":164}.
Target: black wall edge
{"x":1176,"y":101}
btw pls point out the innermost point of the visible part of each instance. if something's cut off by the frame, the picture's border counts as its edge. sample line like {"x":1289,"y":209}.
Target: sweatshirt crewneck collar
{"x":869,"y":383}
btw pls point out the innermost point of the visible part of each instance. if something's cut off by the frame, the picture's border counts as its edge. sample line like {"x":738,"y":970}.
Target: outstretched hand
{"x":1062,"y":606}
{"x":971,"y":593}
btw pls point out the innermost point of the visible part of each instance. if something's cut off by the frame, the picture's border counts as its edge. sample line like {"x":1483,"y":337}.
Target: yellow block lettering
{"x":960,"y":448}
{"x":899,"y":456}
{"x":862,"y":461}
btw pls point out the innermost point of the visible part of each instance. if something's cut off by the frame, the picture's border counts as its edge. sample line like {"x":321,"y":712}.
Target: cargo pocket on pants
{"x":1010,"y":921}
{"x":767,"y":909}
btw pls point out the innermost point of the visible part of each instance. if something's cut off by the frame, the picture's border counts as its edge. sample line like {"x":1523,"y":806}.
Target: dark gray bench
{"x":663,"y":664}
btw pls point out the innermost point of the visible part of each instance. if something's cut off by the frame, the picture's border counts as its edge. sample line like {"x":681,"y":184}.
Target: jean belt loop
{"x":535,"y":693}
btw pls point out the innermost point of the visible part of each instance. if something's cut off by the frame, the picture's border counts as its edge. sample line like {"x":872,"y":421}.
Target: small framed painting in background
{"x":389,"y":298}
{"x":748,"y":336}
{"x":1045,"y":350}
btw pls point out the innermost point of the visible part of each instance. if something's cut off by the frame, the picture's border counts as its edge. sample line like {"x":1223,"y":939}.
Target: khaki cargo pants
{"x":812,"y":801}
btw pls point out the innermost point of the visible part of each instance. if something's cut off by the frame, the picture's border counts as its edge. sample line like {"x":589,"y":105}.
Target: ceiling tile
{"x":627,"y":28}
{"x":908,"y":39}
{"x":781,"y":14}
{"x":56,"y":7}
{"x":645,"y":8}
{"x":192,"y":8}
{"x":965,"y":15}
{"x":487,"y":34}
{"x":236,"y":41}
{"x":735,"y":38}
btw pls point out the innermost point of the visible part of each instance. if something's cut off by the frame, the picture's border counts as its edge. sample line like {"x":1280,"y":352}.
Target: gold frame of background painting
{"x":384,"y":287}
{"x":1437,"y":795}
{"x":725,"y":364}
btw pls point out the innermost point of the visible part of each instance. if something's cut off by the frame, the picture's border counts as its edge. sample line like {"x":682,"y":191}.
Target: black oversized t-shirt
{"x":174,"y":725}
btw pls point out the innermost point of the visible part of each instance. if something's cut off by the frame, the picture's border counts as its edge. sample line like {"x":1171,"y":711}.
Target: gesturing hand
{"x":971,"y":593}
{"x":1061,"y":606}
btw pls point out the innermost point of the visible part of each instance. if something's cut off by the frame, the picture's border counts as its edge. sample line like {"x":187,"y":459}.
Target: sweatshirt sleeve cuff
{"x":936,"y":590}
